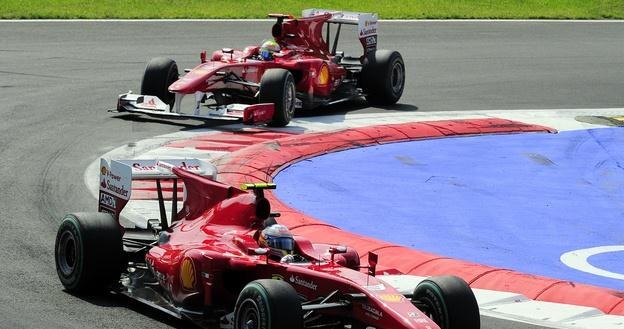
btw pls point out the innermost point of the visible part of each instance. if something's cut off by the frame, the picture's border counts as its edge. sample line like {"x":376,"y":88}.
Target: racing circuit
{"x":52,"y":84}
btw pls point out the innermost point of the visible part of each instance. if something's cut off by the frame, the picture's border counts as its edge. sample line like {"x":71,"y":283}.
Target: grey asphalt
{"x":58,"y":78}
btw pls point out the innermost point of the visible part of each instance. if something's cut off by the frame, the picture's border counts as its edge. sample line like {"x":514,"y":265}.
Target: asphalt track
{"x":57,"y":79}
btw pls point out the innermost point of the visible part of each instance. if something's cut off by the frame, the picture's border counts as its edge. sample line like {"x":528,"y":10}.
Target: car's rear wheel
{"x":383,"y":77}
{"x":159,"y":74}
{"x":89,"y":252}
{"x":277,"y":86}
{"x":268,"y":304}
{"x":448,"y":301}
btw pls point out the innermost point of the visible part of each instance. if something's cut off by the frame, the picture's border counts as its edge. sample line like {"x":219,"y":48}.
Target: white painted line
{"x":579,"y":260}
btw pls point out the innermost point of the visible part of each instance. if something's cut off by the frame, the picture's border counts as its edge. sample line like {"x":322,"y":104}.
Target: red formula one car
{"x":206,"y":264}
{"x":305,"y":72}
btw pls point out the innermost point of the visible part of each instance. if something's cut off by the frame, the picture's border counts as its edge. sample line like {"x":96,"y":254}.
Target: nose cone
{"x":195,"y":80}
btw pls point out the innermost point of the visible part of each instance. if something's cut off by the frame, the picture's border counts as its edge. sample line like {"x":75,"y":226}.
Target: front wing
{"x":153,"y":106}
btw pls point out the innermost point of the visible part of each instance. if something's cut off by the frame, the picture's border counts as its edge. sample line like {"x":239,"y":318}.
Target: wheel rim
{"x":248,"y":316}
{"x":431,"y":313}
{"x":397,"y":78}
{"x":289,"y":100}
{"x":66,"y":253}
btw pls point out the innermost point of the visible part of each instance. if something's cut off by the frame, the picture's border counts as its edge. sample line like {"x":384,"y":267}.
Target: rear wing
{"x":366,"y":22}
{"x":116,"y":180}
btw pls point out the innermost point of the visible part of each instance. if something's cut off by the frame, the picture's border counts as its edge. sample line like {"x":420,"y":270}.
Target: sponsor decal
{"x":302,"y":282}
{"x":108,"y":201}
{"x":140,"y":167}
{"x":369,"y":41}
{"x":187,"y":274}
{"x":367,"y":25}
{"x":150,"y":167}
{"x":277,"y":277}
{"x":377,"y":287}
{"x":120,"y":190}
{"x":115,"y":179}
{"x":107,"y":211}
{"x":189,"y":167}
{"x":164,"y":165}
{"x":372,"y":312}
{"x":150,"y":103}
{"x":368,"y":31}
{"x":391,"y":298}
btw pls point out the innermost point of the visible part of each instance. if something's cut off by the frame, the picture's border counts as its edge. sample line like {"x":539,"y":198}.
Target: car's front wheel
{"x":268,"y":304}
{"x":277,"y":86}
{"x":448,"y":301}
{"x":88,"y":252}
{"x":159,"y":74}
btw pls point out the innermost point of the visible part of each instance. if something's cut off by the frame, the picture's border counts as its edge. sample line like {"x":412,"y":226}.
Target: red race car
{"x":265,"y":84}
{"x":222,"y":261}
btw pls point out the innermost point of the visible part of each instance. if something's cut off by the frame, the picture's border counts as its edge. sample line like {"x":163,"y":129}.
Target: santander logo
{"x":302,"y":282}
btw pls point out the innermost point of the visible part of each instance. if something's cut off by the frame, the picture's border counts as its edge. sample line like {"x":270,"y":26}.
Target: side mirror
{"x":228,"y":51}
{"x":372,"y":263}
{"x":333,"y":250}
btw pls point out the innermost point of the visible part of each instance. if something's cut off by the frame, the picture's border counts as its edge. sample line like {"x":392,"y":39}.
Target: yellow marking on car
{"x":187,"y":274}
{"x":391,"y":298}
{"x":257,"y":186}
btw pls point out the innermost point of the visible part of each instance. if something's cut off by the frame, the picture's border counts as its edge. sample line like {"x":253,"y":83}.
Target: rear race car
{"x":304,"y":73}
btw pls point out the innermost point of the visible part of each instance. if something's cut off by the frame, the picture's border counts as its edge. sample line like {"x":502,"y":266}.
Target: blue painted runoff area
{"x":515,"y":201}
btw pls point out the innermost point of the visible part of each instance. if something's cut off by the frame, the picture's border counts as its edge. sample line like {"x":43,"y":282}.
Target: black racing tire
{"x":160,"y":73}
{"x":278,"y":86}
{"x":89,"y":252}
{"x":267,"y":304}
{"x":449,"y":302}
{"x":383,"y":77}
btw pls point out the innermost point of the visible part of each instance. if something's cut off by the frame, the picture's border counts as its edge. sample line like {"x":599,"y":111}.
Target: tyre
{"x":266,"y":304}
{"x":159,"y":74}
{"x":449,"y":302}
{"x":383,"y":77}
{"x":278,"y":86}
{"x":88,"y":252}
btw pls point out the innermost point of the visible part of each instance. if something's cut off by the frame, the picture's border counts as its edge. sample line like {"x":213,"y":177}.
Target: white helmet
{"x":278,"y":238}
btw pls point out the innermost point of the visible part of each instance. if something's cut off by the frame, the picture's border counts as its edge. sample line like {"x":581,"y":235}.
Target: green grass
{"x":388,"y":9}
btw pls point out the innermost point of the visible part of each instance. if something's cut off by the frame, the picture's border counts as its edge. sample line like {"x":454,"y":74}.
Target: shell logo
{"x":187,"y":274}
{"x":323,"y":76}
{"x":103,"y":171}
{"x":391,"y":298}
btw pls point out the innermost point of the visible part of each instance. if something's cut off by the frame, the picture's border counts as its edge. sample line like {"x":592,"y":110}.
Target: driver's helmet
{"x":268,"y":48}
{"x":278,"y":238}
